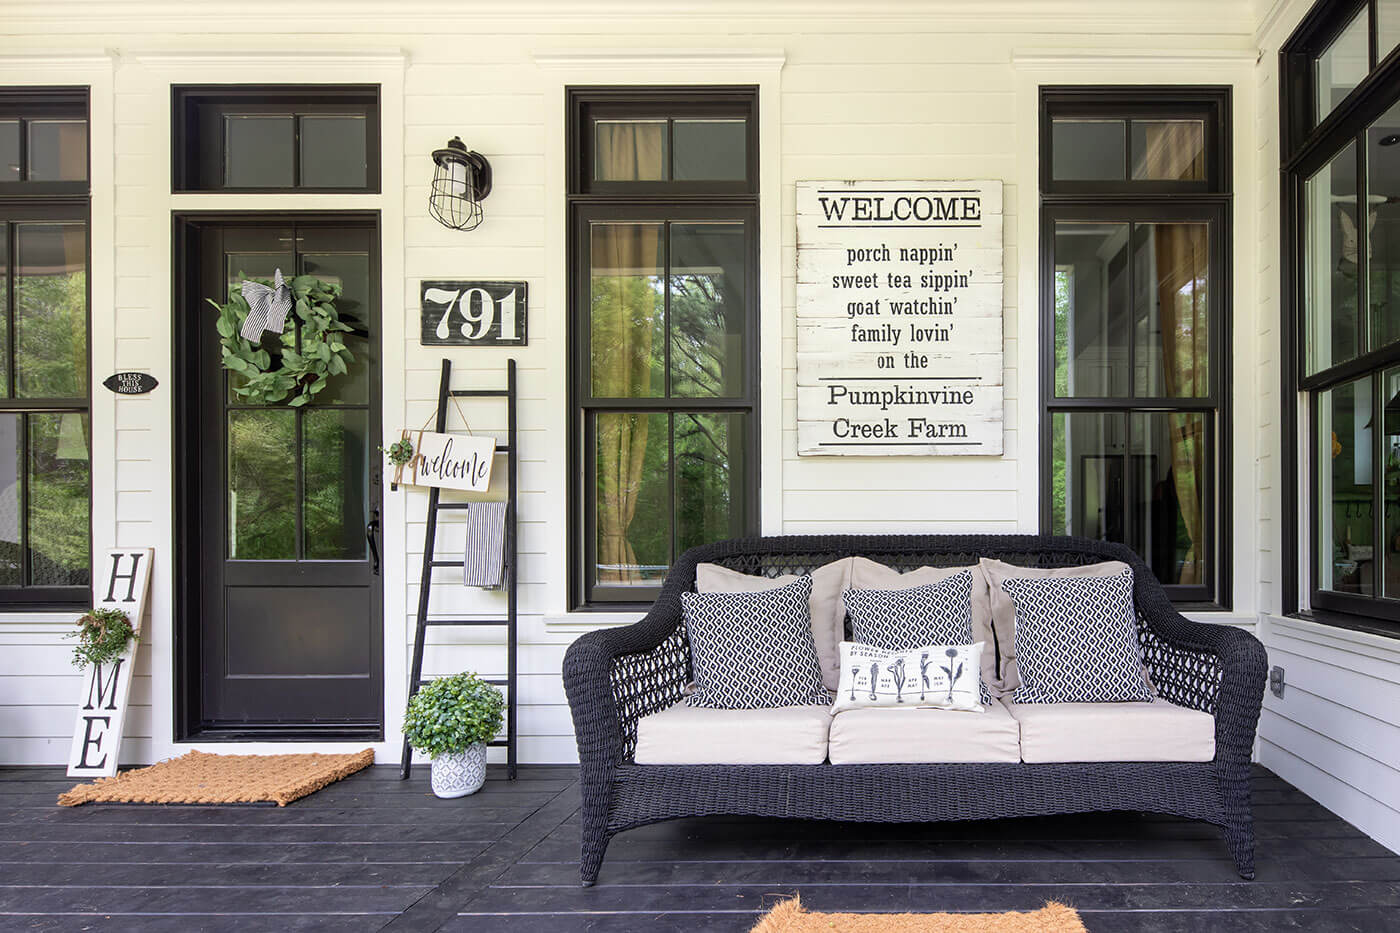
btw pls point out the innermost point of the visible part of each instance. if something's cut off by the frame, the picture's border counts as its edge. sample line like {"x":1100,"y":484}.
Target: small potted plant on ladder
{"x":451,"y":719}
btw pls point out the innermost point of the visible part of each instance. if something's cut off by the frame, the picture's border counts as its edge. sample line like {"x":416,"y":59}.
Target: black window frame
{"x":192,"y":105}
{"x":1131,"y":202}
{"x":51,"y":202}
{"x":1308,"y":141}
{"x":590,"y":200}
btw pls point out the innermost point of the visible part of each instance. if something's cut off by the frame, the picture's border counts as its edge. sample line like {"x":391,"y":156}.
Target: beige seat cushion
{"x":920,"y":736}
{"x":686,"y":735}
{"x":1156,"y":731}
{"x":828,"y":608}
{"x":867,"y":574}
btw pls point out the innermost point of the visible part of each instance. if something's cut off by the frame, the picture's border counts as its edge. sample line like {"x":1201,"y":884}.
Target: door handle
{"x":371,"y":530}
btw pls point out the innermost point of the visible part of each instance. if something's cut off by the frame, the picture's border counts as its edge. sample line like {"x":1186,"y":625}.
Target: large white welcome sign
{"x":121,"y":579}
{"x":452,"y":461}
{"x":899,"y":317}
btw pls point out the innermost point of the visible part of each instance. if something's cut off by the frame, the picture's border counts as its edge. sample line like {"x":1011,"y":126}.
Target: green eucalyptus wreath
{"x":102,"y":635}
{"x":450,"y":714}
{"x":269,"y":380}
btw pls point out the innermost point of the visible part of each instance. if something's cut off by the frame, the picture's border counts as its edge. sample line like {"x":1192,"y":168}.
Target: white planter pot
{"x":457,"y":774}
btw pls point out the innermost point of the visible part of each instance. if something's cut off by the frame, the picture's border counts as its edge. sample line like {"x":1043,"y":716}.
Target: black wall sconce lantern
{"x":460,"y":183}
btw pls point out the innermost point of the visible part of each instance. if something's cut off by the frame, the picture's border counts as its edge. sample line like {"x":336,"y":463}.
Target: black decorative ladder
{"x":431,"y":563}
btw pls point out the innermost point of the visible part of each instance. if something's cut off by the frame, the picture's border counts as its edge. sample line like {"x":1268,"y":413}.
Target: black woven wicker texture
{"x":615,"y":677}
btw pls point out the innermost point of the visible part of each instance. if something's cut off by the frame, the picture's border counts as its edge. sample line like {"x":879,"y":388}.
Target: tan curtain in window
{"x":624,"y":258}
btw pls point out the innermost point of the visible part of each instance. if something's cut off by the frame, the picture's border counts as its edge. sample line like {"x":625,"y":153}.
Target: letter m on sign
{"x":121,"y":580}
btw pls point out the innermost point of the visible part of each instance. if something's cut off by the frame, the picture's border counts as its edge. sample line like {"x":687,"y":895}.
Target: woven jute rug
{"x":789,"y":917}
{"x":198,"y":777}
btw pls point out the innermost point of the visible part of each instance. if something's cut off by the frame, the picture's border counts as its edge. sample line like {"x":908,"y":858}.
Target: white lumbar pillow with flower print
{"x":937,"y":676}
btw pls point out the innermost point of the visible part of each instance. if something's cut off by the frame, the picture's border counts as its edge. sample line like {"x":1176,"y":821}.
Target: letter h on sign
{"x":97,"y":732}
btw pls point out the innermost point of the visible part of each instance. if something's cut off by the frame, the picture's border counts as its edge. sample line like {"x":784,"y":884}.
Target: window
{"x":1341,"y":327}
{"x":259,"y":138}
{"x":1135,"y":312}
{"x":45,"y":466}
{"x":664,"y":389}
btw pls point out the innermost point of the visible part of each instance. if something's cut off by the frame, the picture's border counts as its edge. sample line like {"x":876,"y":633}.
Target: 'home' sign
{"x":121,"y":580}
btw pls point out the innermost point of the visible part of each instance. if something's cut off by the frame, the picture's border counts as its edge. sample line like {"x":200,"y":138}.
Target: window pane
{"x":1168,"y":479}
{"x":633,"y":504}
{"x":333,"y":151}
{"x":1171,"y":322}
{"x":351,"y":272}
{"x":710,"y":458}
{"x":1383,"y":226}
{"x":262,"y":503}
{"x":11,"y":469}
{"x":1169,"y":150}
{"x":335,"y":452}
{"x":1390,"y":392}
{"x":1087,"y":474}
{"x":58,"y":499}
{"x":710,"y":150}
{"x":258,"y":151}
{"x":627,"y":310}
{"x":1091,"y":310}
{"x":51,"y":310}
{"x":1387,"y":28}
{"x":707,"y":310}
{"x":242,"y":266}
{"x":1344,"y":489}
{"x":1342,"y":65}
{"x":57,"y":150}
{"x":630,"y":150}
{"x":1087,"y":150}
{"x":9,"y":150}
{"x":1330,"y":269}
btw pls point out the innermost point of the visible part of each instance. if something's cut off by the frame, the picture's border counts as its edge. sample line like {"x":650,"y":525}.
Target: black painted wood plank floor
{"x":371,"y":853}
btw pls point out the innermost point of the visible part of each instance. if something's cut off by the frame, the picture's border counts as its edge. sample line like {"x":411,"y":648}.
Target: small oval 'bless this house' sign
{"x":130,"y":383}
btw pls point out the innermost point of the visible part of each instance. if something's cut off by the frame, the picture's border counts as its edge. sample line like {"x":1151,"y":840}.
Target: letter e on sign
{"x":121,"y":580}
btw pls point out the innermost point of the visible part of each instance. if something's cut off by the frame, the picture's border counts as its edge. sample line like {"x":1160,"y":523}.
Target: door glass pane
{"x":1091,"y":310}
{"x":11,"y":469}
{"x":1390,"y":443}
{"x":351,"y":272}
{"x":333,"y":151}
{"x":1087,"y":150}
{"x":57,"y":150}
{"x":1383,"y":223}
{"x":710,"y":470}
{"x":709,"y":150}
{"x":1344,"y":496}
{"x":1171,"y":322}
{"x":1169,"y":150}
{"x":1387,"y":28}
{"x":630,"y":150}
{"x":1330,"y":268}
{"x":262,"y":505}
{"x":1087,"y":474}
{"x":51,"y":310}
{"x":1342,"y":65}
{"x":9,"y":150}
{"x":58,"y":499}
{"x":707,"y":310}
{"x":1168,"y":479}
{"x":633,"y":502}
{"x":258,"y":150}
{"x":627,"y":310}
{"x":335,"y":452}
{"x":242,"y":266}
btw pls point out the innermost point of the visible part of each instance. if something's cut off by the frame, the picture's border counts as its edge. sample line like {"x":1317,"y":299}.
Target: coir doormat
{"x":789,"y":917}
{"x":198,"y":777}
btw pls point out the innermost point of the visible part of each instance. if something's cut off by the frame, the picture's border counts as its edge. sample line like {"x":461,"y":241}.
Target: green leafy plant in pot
{"x":451,"y":719}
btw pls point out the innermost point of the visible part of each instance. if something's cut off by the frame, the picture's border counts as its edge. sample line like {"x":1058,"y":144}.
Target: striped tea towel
{"x":485,"y":557}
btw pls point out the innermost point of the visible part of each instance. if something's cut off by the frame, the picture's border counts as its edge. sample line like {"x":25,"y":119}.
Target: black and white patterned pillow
{"x":929,"y":614}
{"x":1076,"y":640}
{"x":753,"y":650}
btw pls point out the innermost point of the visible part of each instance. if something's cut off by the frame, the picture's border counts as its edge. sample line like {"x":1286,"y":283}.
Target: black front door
{"x":286,"y":614}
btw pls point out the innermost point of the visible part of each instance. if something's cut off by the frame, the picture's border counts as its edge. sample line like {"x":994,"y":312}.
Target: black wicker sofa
{"x":615,"y":677}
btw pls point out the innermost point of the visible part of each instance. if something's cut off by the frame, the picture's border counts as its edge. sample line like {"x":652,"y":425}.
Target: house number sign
{"x":899,"y":318}
{"x":474,"y":314}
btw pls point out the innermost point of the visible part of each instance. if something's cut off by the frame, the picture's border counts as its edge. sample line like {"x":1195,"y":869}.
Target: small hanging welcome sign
{"x":449,"y":461}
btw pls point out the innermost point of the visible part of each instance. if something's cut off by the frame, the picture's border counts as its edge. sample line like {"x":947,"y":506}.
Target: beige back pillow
{"x":867,"y":574}
{"x":828,"y":608}
{"x":1004,"y":610}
